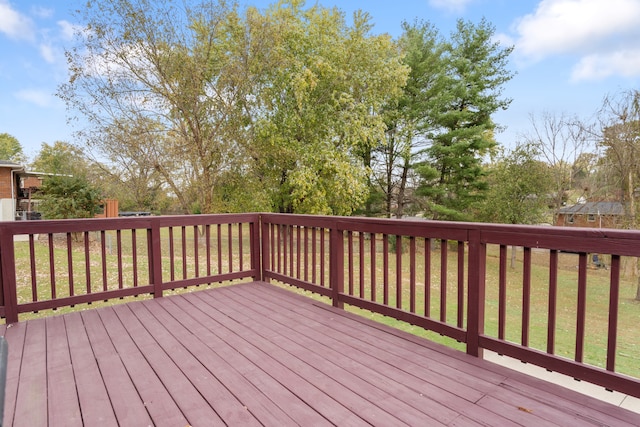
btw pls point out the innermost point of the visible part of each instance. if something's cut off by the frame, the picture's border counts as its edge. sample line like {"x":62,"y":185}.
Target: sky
{"x":568,"y":55}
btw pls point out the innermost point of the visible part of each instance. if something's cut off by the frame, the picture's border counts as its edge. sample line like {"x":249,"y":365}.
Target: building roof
{"x":8,"y":164}
{"x":594,"y":208}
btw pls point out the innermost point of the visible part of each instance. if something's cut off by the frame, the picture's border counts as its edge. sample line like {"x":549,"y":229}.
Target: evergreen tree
{"x":452,"y":176}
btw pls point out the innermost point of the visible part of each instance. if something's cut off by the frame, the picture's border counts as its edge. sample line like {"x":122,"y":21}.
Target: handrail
{"x":92,"y":260}
{"x":450,"y":278}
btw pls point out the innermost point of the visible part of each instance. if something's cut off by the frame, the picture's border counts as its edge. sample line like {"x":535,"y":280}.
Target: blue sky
{"x":568,"y":55}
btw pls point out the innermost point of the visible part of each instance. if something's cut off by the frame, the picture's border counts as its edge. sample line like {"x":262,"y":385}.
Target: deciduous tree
{"x":10,"y":149}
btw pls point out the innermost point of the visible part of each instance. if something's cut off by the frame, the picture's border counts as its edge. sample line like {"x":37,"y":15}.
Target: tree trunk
{"x":513,"y":256}
{"x":401,"y":190}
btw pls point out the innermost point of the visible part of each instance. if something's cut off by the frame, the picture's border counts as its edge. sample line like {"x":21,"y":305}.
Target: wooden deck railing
{"x":451,"y":278}
{"x":435,"y":275}
{"x":53,"y":264}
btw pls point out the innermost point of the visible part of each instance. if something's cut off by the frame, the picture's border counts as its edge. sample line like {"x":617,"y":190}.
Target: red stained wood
{"x":553,"y":299}
{"x":614,"y":295}
{"x":255,"y":354}
{"x":502,"y":292}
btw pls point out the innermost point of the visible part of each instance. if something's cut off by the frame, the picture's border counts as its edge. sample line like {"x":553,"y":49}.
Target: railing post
{"x":476,"y":294}
{"x":154,"y":251}
{"x":8,"y":267}
{"x":264,"y":242}
{"x":336,"y":265}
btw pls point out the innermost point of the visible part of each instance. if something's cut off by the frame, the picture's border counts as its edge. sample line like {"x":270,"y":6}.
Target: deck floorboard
{"x":256,"y":354}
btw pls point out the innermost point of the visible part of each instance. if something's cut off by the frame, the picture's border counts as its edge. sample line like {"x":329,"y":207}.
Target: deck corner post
{"x":336,"y":265}
{"x":8,"y":275}
{"x":476,"y":293}
{"x":155,"y":257}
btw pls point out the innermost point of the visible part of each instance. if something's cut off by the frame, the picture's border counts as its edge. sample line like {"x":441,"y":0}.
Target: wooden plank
{"x":256,"y":350}
{"x":315,"y":376}
{"x":569,"y":401}
{"x":415,"y":386}
{"x":15,"y":335}
{"x":223,"y":402}
{"x":94,"y":399}
{"x":256,"y":402}
{"x":470,"y":384}
{"x":556,"y":414}
{"x":519,"y":413}
{"x":411,"y":405}
{"x":277,"y":365}
{"x":359,"y":326}
{"x":266,"y":373}
{"x":127,"y":403}
{"x":553,"y":394}
{"x":31,"y":400}
{"x":162,"y":408}
{"x":64,"y":407}
{"x":195,"y":408}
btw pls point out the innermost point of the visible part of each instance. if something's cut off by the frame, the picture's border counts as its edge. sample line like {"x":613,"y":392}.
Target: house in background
{"x":17,"y":187}
{"x":592,"y":214}
{"x":19,"y":190}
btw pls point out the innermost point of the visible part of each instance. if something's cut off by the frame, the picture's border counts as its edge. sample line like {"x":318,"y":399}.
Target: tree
{"x":561,"y":140}
{"x":518,"y":189}
{"x":61,"y":158}
{"x":519,"y":185}
{"x":10,"y":149}
{"x":171,"y":68}
{"x":130,"y":174}
{"x":261,"y":100}
{"x":318,"y":108}
{"x":619,"y":120}
{"x":407,"y":117}
{"x":69,"y":197}
{"x":461,"y":134}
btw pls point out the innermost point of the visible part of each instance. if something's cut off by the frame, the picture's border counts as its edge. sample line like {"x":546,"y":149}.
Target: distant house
{"x":17,"y":187}
{"x":592,"y":214}
{"x":8,"y":189}
{"x":19,"y":191}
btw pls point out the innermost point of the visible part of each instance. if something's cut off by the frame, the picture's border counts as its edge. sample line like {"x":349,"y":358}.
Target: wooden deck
{"x":254,"y":354}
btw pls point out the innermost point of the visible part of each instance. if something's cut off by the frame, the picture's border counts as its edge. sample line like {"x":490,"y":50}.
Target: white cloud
{"x":40,"y":98}
{"x":594,"y":31}
{"x":48,"y":52}
{"x":600,"y":66}
{"x":68,"y":30}
{"x":450,"y":5}
{"x":42,"y":12}
{"x":14,"y":24}
{"x":561,"y":26}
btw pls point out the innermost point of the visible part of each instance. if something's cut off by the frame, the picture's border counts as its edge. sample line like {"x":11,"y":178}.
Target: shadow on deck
{"x":255,"y":354}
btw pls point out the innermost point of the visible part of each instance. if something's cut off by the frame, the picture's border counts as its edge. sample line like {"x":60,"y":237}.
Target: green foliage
{"x":439,"y":129}
{"x":295,"y":106}
{"x":452,"y":177}
{"x":60,"y":158}
{"x":519,"y":189}
{"x":10,"y":149}
{"x":407,"y":117}
{"x":69,"y":197}
{"x":316,"y":113}
{"x":189,"y":94}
